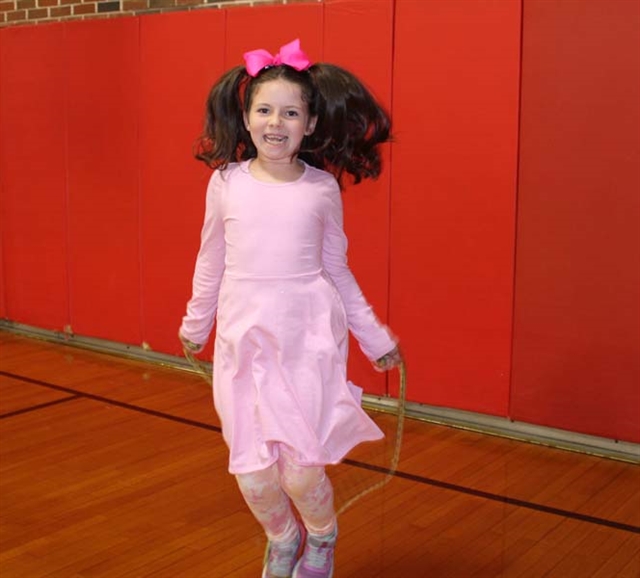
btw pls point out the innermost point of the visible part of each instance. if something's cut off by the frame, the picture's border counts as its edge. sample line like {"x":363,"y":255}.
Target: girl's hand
{"x":190,"y":345}
{"x":388,"y":361}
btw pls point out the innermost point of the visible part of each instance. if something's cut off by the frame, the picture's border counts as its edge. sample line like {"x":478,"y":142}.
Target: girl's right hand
{"x":190,"y":345}
{"x":388,"y":361}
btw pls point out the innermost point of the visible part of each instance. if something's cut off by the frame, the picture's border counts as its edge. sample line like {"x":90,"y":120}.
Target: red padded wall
{"x":576,"y":333}
{"x":102,"y":204}
{"x":453,"y":179}
{"x":178,"y":66}
{"x":104,"y":247}
{"x":33,"y":164}
{"x":358,"y":35}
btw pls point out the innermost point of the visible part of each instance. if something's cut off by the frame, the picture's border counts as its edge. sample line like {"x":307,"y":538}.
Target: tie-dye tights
{"x":269,"y":494}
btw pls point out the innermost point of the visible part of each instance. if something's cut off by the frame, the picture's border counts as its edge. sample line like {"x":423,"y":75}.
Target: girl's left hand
{"x":388,"y":361}
{"x":192,"y":347}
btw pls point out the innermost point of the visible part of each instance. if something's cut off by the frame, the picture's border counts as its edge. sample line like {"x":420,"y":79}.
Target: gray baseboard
{"x":481,"y":423}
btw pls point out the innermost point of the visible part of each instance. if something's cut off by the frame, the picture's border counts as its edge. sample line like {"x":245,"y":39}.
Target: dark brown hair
{"x":350,"y":122}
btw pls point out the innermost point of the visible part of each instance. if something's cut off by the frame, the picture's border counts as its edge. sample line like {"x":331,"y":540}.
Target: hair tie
{"x":290,"y":54}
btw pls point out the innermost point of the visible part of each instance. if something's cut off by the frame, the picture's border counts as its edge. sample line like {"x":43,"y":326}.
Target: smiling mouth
{"x":274,"y":139}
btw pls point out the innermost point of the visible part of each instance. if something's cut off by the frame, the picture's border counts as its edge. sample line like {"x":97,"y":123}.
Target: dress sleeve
{"x":201,"y":308}
{"x":374,"y":338}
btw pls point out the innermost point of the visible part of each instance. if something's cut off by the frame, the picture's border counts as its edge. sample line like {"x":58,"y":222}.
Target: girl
{"x":272,"y":270}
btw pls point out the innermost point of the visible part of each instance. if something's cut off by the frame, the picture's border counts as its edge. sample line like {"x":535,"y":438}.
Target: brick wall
{"x":16,"y":12}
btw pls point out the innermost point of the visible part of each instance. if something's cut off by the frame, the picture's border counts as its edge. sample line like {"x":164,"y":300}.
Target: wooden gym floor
{"x":116,"y":468}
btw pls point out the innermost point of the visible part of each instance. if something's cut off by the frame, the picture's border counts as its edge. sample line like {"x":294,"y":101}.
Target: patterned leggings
{"x":269,"y":494}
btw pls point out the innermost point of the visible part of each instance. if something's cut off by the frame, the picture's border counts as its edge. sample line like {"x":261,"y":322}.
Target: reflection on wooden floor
{"x":116,"y":468}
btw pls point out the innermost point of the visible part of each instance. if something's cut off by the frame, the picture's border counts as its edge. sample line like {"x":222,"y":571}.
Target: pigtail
{"x":224,"y":138}
{"x":350,"y":126}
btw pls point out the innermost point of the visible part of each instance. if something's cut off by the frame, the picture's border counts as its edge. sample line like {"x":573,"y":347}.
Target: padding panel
{"x":577,"y":331}
{"x":33,"y":166}
{"x":455,"y":107}
{"x":104,"y":240}
{"x":358,"y":35}
{"x":181,"y":56}
{"x":3,"y":305}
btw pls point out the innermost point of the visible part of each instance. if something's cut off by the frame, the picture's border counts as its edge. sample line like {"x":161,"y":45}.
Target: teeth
{"x":274,"y":139}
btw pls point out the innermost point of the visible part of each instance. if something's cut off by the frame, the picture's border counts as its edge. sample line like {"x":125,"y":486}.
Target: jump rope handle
{"x":189,"y":349}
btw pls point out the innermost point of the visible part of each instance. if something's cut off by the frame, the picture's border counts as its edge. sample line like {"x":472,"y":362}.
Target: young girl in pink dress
{"x":272,"y":272}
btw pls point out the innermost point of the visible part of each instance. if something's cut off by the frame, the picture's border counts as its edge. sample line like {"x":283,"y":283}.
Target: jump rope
{"x":207,"y":375}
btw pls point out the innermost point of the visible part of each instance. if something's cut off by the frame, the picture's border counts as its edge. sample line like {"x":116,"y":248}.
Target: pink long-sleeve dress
{"x":272,"y":269}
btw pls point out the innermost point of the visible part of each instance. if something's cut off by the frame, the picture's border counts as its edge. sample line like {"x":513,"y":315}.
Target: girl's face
{"x":278,"y":120}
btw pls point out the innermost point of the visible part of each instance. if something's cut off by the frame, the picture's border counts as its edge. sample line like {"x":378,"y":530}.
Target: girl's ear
{"x":311,"y":125}
{"x":245,"y":119}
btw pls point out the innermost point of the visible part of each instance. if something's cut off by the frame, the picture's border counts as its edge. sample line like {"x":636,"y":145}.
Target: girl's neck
{"x":276,"y":172}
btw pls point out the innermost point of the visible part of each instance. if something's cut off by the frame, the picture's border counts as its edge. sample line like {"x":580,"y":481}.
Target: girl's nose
{"x":275,"y":120}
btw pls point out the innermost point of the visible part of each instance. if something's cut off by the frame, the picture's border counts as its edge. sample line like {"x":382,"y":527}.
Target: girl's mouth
{"x":274,"y":138}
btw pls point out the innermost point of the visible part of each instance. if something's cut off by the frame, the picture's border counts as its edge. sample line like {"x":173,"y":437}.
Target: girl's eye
{"x":292,"y":113}
{"x":262,"y":110}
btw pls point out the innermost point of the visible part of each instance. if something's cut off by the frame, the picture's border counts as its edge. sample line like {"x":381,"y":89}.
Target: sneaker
{"x":279,"y":559}
{"x":317,"y":558}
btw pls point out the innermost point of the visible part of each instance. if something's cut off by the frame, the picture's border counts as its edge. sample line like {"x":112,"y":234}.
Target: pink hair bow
{"x":289,"y":54}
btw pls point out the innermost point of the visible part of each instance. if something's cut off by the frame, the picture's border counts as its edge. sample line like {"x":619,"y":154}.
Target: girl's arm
{"x":201,"y":308}
{"x":375,"y":339}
